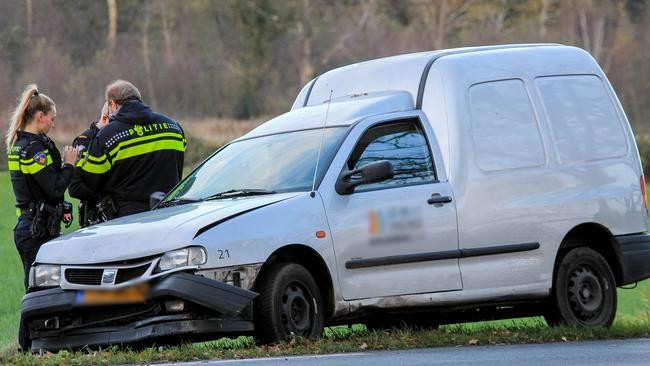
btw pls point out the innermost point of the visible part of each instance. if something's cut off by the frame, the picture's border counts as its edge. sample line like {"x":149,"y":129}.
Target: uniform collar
{"x":42,"y":138}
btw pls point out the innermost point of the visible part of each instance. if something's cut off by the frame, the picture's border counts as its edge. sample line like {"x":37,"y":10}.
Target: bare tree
{"x":146,"y":57}
{"x":442,"y":17}
{"x":166,"y":32}
{"x":29,"y":20}
{"x":111,"y":35}
{"x":543,"y":17}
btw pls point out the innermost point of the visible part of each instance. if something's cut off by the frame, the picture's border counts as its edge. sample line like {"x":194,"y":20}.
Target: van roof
{"x":342,"y":111}
{"x":342,"y":96}
{"x":406,"y":72}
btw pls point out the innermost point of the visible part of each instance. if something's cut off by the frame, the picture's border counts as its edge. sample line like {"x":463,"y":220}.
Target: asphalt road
{"x":613,"y":352}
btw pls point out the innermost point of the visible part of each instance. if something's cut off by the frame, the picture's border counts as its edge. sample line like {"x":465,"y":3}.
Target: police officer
{"x":88,"y":198}
{"x":139,"y":152}
{"x":38,"y":177}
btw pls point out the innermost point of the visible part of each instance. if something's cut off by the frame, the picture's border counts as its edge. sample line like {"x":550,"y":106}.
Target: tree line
{"x":245,"y":58}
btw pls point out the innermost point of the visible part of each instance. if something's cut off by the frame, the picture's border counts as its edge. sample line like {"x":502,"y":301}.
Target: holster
{"x":46,"y":219}
{"x":89,"y":213}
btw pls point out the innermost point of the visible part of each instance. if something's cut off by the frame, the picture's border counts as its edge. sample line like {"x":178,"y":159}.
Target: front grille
{"x":80,"y":276}
{"x":127,"y":274}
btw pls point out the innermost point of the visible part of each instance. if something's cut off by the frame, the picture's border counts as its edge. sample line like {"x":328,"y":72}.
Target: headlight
{"x":191,"y":256}
{"x":46,"y":275}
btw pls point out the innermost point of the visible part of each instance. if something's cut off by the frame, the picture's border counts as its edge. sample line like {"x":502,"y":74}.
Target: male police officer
{"x":139,"y":152}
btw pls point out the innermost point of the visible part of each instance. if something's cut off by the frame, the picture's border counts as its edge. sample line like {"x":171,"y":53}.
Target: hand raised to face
{"x":103,"y":117}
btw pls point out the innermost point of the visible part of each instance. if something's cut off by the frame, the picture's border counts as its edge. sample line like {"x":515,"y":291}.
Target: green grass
{"x":633,"y":320}
{"x":340,"y":339}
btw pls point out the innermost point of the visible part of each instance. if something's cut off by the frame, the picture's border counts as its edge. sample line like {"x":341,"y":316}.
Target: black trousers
{"x":27,"y":246}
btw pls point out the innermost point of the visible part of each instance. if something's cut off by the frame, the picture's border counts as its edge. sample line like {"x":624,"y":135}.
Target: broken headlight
{"x":191,"y":256}
{"x":45,"y":275}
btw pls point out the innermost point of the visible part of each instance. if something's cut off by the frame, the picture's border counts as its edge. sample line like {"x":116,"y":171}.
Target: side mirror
{"x":371,"y":173}
{"x":155,"y":198}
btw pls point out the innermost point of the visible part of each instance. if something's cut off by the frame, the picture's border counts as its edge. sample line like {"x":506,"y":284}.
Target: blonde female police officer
{"x":38,"y":177}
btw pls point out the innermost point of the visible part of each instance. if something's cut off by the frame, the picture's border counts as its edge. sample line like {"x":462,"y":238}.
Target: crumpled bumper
{"x":226,"y":300}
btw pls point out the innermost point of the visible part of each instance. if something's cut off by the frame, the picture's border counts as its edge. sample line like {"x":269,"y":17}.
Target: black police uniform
{"x":78,"y":189}
{"x":139,"y":152}
{"x":36,"y":176}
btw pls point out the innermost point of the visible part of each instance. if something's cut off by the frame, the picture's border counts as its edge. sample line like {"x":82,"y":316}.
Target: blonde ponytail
{"x":30,"y":102}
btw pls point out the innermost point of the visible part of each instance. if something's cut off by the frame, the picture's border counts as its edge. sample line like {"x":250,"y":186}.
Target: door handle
{"x":437,"y":198}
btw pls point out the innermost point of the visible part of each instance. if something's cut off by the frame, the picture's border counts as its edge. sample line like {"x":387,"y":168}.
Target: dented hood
{"x":148,"y":233}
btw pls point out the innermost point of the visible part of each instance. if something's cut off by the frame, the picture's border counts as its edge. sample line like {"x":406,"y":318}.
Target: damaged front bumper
{"x":59,"y":318}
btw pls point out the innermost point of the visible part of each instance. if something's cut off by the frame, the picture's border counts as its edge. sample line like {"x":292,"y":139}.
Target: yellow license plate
{"x":127,"y":295}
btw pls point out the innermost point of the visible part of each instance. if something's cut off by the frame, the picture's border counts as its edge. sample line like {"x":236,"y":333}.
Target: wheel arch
{"x":597,"y":237}
{"x":313,"y":262}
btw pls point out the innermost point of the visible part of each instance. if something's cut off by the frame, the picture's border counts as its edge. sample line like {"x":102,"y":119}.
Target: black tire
{"x":584,"y":291}
{"x":290,"y":304}
{"x":24,"y":341}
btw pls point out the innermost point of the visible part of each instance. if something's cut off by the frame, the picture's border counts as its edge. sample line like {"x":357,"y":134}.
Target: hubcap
{"x":296,"y":310}
{"x":585,"y":293}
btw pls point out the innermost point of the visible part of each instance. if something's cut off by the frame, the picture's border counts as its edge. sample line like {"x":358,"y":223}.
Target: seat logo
{"x":108,"y":277}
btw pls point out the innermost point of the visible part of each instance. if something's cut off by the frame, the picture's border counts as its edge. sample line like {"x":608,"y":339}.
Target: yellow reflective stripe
{"x":82,"y":159}
{"x":14,"y":165}
{"x":30,"y":160}
{"x":131,"y":151}
{"x":13,"y":156}
{"x":29,"y":166}
{"x":86,"y":158}
{"x":97,"y":159}
{"x":144,"y":138}
{"x":95,"y":168}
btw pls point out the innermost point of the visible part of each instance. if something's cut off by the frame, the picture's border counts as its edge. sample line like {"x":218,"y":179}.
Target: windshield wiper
{"x":177,"y":201}
{"x":238,"y":193}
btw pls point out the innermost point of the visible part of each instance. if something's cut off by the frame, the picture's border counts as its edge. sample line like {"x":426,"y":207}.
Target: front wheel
{"x":290,"y":304}
{"x":584,"y":290}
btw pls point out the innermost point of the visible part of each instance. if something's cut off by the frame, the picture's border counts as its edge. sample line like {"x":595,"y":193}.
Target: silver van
{"x":420,"y":189}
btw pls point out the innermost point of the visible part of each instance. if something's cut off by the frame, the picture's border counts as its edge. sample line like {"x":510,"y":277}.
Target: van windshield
{"x":262,"y":165}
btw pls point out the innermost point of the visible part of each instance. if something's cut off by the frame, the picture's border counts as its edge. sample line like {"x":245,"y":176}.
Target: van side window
{"x":404,"y":145}
{"x":504,"y":128}
{"x":583,"y":120}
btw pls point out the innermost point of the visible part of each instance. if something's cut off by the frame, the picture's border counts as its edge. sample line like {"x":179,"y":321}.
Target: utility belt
{"x":46,"y":218}
{"x":91,"y":213}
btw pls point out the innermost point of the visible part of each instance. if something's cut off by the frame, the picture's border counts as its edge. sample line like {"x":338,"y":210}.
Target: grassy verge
{"x":338,"y":340}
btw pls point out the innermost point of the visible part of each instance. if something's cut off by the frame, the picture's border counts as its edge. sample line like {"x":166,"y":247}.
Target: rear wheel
{"x":584,"y":290}
{"x":290,"y":304}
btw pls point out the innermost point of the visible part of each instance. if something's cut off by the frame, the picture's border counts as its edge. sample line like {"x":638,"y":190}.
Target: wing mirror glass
{"x":370,"y":173}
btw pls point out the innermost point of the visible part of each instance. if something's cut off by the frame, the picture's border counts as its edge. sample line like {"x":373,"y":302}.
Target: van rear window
{"x":504,"y":128}
{"x":583,"y":120}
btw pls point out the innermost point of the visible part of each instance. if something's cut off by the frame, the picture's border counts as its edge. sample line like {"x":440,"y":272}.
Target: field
{"x":634,"y":306}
